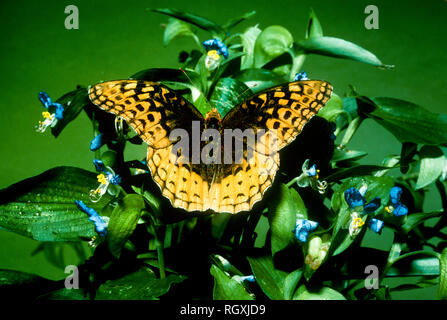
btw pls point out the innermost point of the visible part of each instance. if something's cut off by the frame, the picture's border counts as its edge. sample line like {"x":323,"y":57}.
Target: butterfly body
{"x":236,"y":178}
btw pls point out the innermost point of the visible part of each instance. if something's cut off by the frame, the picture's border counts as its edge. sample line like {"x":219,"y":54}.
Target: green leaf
{"x":409,"y":122}
{"x":21,"y":285}
{"x":195,"y":20}
{"x":226,"y":288}
{"x":343,"y":173}
{"x":420,"y":265}
{"x":343,"y":155}
{"x":323,"y":293}
{"x":235,"y":21}
{"x":259,"y":79}
{"x":415,"y":219}
{"x":177,"y":28}
{"x":227,"y":93}
{"x":432,"y":164}
{"x":73,"y":103}
{"x":332,"y":109}
{"x":272,"y":42}
{"x":167,"y":75}
{"x":270,"y":279}
{"x":123,"y":221}
{"x":291,"y":282}
{"x":284,"y":209}
{"x":338,"y":48}
{"x":442,"y":290}
{"x":43,"y":208}
{"x":139,"y":285}
{"x":314,"y":28}
{"x":248,"y":39}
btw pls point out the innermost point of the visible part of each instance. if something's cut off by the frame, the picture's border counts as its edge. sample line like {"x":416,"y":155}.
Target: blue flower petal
{"x":59,"y":114}
{"x":312,"y":172}
{"x":97,"y":142}
{"x":218,"y":45}
{"x":376,"y":225}
{"x":301,"y":76}
{"x":250,"y":278}
{"x":395,"y":194}
{"x":115,"y":179}
{"x":372,"y":206}
{"x":100,"y":224}
{"x":303,"y":227}
{"x":354,"y":198}
{"x":45,"y":99}
{"x":99,"y":165}
{"x":400,"y":210}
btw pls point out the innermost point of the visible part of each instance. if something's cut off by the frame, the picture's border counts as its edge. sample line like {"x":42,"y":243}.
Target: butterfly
{"x":154,"y":111}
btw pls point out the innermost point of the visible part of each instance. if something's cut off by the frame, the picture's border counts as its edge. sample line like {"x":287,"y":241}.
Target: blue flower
{"x":301,"y":76}
{"x":309,"y":177}
{"x":354,"y":198}
{"x":107,"y":176}
{"x":313,"y":172}
{"x":215,"y":49}
{"x":97,"y":142}
{"x":376,"y":225}
{"x":100,"y":223}
{"x":397,"y":208}
{"x":54,"y":113}
{"x":216,"y":44}
{"x":303,"y":227}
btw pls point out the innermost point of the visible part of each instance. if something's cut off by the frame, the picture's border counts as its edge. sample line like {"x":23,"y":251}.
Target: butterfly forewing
{"x":151,"y":109}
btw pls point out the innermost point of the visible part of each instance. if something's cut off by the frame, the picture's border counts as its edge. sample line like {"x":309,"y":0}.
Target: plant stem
{"x":352,"y":128}
{"x":160,"y":232}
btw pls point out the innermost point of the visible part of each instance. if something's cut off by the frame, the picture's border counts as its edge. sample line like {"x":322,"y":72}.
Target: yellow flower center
{"x":213,"y":54}
{"x":46,"y":115}
{"x":102,"y":179}
{"x":357,"y":223}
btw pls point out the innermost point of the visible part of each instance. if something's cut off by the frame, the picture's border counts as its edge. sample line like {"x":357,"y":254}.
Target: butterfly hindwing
{"x":151,"y":109}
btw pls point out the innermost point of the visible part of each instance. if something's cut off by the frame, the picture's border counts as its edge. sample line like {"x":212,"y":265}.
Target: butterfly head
{"x":213,"y":119}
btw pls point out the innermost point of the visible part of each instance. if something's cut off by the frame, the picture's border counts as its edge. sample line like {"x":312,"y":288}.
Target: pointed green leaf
{"x":177,"y":28}
{"x":432,"y":164}
{"x":43,"y":207}
{"x":235,"y":21}
{"x":338,"y":48}
{"x":270,"y":279}
{"x":248,"y":39}
{"x":259,"y":79}
{"x":415,"y":219}
{"x":409,"y":122}
{"x":226,"y":288}
{"x":332,"y":109}
{"x":284,"y":209}
{"x":123,"y":221}
{"x":291,"y":282}
{"x":314,"y":28}
{"x":195,"y":20}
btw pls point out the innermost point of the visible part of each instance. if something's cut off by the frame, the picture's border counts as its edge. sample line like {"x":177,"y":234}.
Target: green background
{"x":118,"y":38}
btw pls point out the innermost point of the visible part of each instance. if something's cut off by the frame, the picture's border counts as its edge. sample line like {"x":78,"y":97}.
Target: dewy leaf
{"x":314,"y":28}
{"x":338,"y":48}
{"x":409,"y":122}
{"x":227,"y":93}
{"x":177,"y":28}
{"x":432,"y":164}
{"x":139,"y":285}
{"x":73,"y":103}
{"x":272,"y":42}
{"x":283,"y":212}
{"x":324,"y":293}
{"x":123,"y":222}
{"x":442,"y":291}
{"x":270,"y":279}
{"x":226,"y":288}
{"x":193,"y":19}
{"x":43,"y":207}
